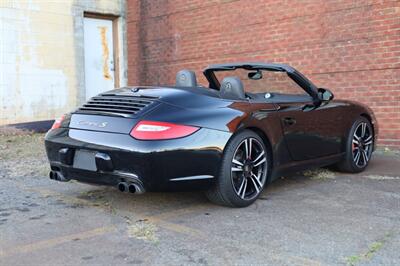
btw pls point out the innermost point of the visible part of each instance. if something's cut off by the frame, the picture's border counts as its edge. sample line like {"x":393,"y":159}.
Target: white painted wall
{"x":42,"y":57}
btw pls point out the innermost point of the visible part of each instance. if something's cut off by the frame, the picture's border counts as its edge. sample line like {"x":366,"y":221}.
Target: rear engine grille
{"x":117,"y":104}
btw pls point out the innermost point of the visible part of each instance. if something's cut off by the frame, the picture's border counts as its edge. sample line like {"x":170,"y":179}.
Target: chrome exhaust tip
{"x":123,"y":187}
{"x":135,"y":188}
{"x":58,"y":176}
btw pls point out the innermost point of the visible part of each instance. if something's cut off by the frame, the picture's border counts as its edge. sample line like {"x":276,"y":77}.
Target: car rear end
{"x":113,"y":140}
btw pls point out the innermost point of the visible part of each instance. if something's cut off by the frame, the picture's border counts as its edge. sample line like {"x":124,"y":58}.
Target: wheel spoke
{"x":237,"y":169}
{"x":365,"y":156}
{"x":356,"y":140}
{"x":260,"y":162}
{"x":256,"y":178}
{"x":368,"y":140}
{"x":250,"y":144}
{"x":243,"y":192}
{"x":247,"y":148}
{"x":241,"y":186}
{"x":368,"y":143}
{"x":236,"y":162}
{"x":255,"y":185}
{"x":259,"y":156}
{"x":357,"y":157}
{"x":363,"y":129}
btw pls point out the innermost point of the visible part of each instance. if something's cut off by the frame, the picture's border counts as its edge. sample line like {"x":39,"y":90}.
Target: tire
{"x":359,"y":147}
{"x":244,"y":171}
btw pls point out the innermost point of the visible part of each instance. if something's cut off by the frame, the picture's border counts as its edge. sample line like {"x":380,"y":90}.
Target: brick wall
{"x":351,"y":47}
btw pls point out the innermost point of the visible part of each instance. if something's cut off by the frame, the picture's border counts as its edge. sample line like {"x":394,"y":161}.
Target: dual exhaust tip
{"x":130,"y":187}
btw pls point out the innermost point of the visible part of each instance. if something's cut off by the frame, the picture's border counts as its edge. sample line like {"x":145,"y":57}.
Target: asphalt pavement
{"x":314,"y":218}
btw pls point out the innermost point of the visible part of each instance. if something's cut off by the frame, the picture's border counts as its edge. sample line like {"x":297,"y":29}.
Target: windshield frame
{"x":295,"y":75}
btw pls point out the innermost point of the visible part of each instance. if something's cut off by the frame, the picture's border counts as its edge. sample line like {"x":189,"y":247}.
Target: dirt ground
{"x":313,"y":218}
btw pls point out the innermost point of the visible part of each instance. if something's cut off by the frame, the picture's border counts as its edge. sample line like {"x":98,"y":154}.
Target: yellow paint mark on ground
{"x":66,"y":198}
{"x":183,"y":229}
{"x":154,"y":219}
{"x":160,"y":220}
{"x":48,"y":243}
{"x":106,"y":52}
{"x":182,"y":211}
{"x":382,"y":177}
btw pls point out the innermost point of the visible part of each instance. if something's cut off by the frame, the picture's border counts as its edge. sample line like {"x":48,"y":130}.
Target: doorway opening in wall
{"x":101,"y":53}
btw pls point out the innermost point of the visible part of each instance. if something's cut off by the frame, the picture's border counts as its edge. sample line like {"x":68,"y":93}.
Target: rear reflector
{"x":152,"y":130}
{"x":57,"y":122}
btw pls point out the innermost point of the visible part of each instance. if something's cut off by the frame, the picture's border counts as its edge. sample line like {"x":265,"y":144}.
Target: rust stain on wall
{"x":106,"y":52}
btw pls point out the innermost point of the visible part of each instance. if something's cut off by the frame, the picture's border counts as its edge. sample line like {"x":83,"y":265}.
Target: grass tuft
{"x":319,"y":174}
{"x":143,"y":230}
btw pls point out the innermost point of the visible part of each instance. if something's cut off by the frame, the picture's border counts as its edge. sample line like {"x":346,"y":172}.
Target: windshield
{"x":268,"y":81}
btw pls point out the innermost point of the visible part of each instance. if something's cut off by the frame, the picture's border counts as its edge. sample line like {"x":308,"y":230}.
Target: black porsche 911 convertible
{"x":226,"y":139}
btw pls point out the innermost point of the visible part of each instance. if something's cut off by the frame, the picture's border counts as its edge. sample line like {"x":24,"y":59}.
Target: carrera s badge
{"x":93,"y":124}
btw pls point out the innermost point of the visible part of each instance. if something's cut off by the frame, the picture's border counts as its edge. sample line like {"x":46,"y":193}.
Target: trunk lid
{"x":119,"y":110}
{"x":115,"y":111}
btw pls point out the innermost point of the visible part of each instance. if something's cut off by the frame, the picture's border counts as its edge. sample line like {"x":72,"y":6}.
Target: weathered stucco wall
{"x":42,"y":56}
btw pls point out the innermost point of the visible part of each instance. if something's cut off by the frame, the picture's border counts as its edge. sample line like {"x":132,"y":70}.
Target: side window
{"x":271,"y":81}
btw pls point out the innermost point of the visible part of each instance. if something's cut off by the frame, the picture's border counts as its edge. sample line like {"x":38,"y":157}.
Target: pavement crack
{"x":373,"y":248}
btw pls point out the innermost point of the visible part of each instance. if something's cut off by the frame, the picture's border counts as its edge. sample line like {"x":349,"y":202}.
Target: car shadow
{"x":153,"y":203}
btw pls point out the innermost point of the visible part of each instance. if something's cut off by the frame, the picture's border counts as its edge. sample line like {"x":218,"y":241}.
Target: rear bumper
{"x":188,"y":163}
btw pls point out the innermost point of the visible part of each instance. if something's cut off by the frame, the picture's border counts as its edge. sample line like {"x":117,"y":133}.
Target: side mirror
{"x":325,"y":95}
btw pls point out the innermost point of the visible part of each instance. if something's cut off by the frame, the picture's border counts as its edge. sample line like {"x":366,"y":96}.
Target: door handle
{"x":289,"y":121}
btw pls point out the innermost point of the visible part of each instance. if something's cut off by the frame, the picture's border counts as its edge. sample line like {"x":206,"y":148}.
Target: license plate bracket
{"x":85,"y":159}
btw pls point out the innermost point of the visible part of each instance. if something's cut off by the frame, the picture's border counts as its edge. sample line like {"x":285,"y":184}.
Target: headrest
{"x":186,"y":78}
{"x":232,"y":88}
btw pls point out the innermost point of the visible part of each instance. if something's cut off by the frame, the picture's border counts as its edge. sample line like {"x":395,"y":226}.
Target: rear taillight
{"x":152,"y":130}
{"x":57,"y":122}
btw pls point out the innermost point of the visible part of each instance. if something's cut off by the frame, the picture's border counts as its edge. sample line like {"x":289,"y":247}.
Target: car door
{"x":311,"y":132}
